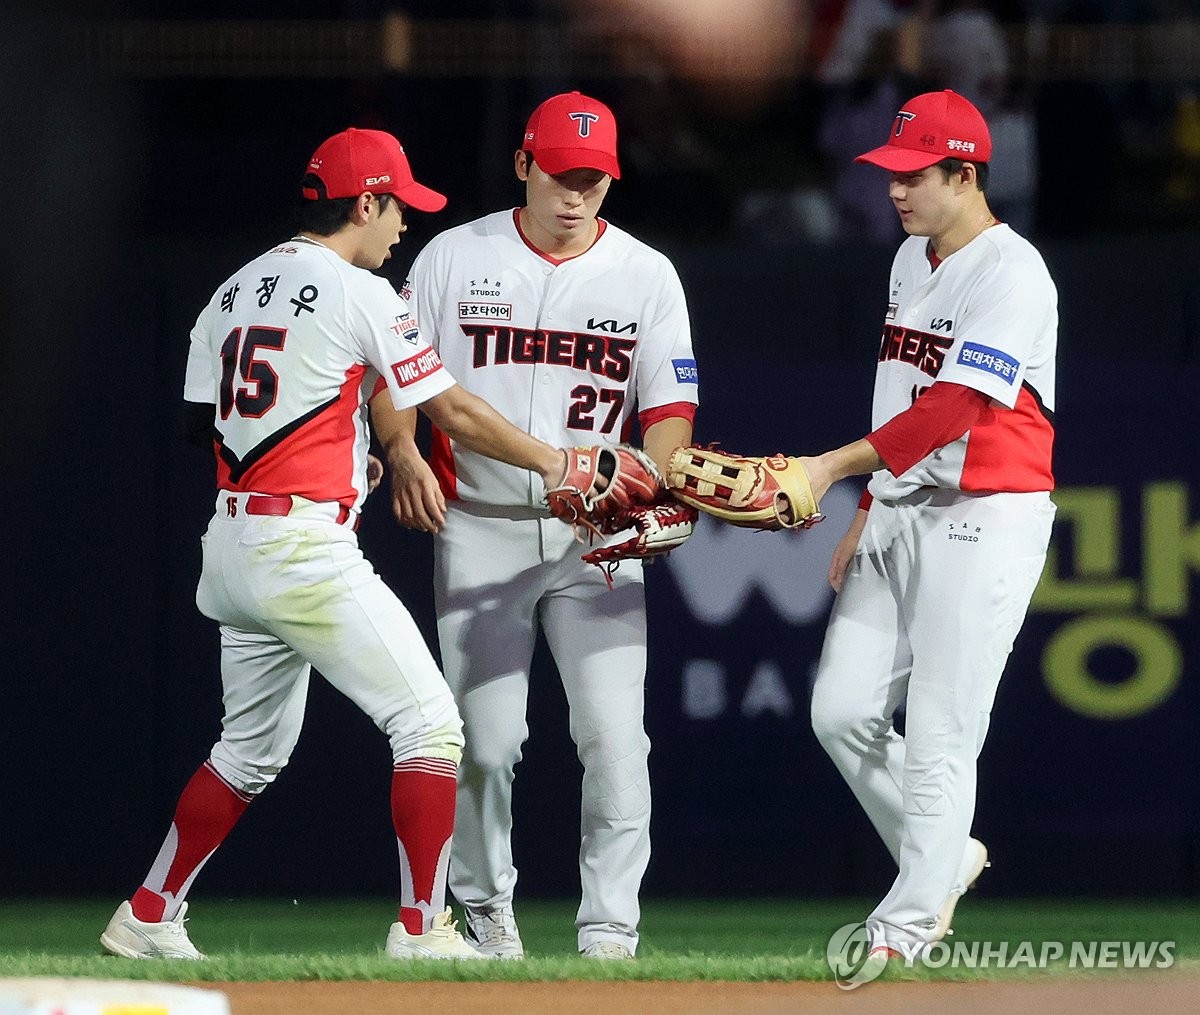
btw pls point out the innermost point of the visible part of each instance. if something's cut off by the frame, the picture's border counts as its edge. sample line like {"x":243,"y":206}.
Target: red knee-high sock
{"x":207,"y":810}
{"x":423,"y":815}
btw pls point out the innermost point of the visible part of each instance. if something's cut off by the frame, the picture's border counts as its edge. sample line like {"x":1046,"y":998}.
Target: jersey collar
{"x":601,"y":225}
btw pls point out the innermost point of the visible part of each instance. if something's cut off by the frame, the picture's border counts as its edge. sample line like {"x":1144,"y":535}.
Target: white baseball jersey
{"x":289,"y":349}
{"x":562,"y":349}
{"x":986,"y":318}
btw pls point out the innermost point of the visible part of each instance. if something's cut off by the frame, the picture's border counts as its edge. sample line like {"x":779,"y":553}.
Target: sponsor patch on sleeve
{"x":685,"y":371}
{"x":416,"y":368}
{"x":992,"y":361}
{"x":406,"y":328}
{"x":406,"y":290}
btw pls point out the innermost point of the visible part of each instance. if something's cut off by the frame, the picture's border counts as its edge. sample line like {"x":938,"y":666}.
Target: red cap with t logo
{"x":932,"y":127}
{"x":356,"y":160}
{"x":571,"y":131}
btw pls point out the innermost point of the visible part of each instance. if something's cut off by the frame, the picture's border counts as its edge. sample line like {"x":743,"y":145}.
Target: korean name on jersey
{"x":290,"y":349}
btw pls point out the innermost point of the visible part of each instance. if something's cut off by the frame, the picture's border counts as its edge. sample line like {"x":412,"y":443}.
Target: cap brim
{"x":418,"y":196}
{"x":563,"y":160}
{"x":900,"y":160}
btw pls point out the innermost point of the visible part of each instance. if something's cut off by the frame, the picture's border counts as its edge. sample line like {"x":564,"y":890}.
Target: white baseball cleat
{"x":606,"y":950}
{"x":131,"y":938}
{"x":974,"y":860}
{"x":441,"y":941}
{"x":493,"y":931}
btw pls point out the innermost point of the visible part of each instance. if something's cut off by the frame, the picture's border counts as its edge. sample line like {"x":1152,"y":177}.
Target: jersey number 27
{"x":586,"y":398}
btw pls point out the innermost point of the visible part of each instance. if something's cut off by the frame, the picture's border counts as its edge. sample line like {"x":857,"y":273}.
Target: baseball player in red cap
{"x":565,"y":323}
{"x":282,"y":361}
{"x":937,"y":569}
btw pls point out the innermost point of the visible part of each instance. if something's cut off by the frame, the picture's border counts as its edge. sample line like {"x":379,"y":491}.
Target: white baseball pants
{"x":498,"y":574}
{"x":294,"y":592}
{"x":932,"y":601}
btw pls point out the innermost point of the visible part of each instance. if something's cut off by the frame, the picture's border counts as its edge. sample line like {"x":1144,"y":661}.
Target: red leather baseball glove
{"x":601,"y":484}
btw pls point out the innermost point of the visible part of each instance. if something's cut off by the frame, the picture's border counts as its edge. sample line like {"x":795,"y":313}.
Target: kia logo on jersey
{"x":584,"y":121}
{"x":612,"y":326}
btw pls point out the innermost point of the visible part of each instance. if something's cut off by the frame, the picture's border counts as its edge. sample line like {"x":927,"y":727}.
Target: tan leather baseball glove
{"x":755,"y":493}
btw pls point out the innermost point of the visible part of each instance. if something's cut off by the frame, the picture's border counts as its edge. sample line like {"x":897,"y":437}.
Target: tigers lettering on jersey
{"x":603,"y":355}
{"x":924,"y":351}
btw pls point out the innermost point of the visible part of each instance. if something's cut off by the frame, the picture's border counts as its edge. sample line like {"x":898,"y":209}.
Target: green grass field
{"x":755,"y":940}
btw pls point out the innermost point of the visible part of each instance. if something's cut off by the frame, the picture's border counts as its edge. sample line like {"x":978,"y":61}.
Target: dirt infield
{"x":1148,"y":994}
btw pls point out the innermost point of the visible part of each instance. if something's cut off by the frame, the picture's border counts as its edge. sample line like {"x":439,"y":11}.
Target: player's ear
{"x":521,"y":165}
{"x":362,"y":208}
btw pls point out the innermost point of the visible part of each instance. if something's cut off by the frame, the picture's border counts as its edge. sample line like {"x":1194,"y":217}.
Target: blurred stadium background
{"x":149,"y":149}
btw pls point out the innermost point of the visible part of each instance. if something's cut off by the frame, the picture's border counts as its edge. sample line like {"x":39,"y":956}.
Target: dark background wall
{"x":130,"y":198}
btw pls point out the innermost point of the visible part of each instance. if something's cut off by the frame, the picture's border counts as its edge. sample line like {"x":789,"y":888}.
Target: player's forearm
{"x":395,"y":428}
{"x":664,"y":437}
{"x":475,"y":425}
{"x":849,"y":460}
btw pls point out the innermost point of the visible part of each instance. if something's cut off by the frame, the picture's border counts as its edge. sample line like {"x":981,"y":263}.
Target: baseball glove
{"x":600,"y":485}
{"x":658,"y":529}
{"x":755,"y":493}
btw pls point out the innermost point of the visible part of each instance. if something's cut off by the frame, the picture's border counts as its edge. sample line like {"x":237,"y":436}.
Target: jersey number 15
{"x":260,"y":383}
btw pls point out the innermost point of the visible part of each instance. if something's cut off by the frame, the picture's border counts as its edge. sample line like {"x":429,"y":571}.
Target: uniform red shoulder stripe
{"x":315,"y":461}
{"x":1013,"y":452}
{"x":681,"y":410}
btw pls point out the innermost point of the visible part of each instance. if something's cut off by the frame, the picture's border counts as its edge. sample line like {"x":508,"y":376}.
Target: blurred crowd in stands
{"x":1080,"y":153}
{"x":739,"y":118}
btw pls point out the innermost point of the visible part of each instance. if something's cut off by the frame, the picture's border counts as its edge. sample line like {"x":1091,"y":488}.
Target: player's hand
{"x":843,"y":553}
{"x":374,"y":473}
{"x":417,"y":500}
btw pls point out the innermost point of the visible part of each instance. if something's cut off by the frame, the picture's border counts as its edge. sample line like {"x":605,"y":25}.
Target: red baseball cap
{"x":571,"y":131}
{"x":932,"y":127}
{"x":356,"y":160}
